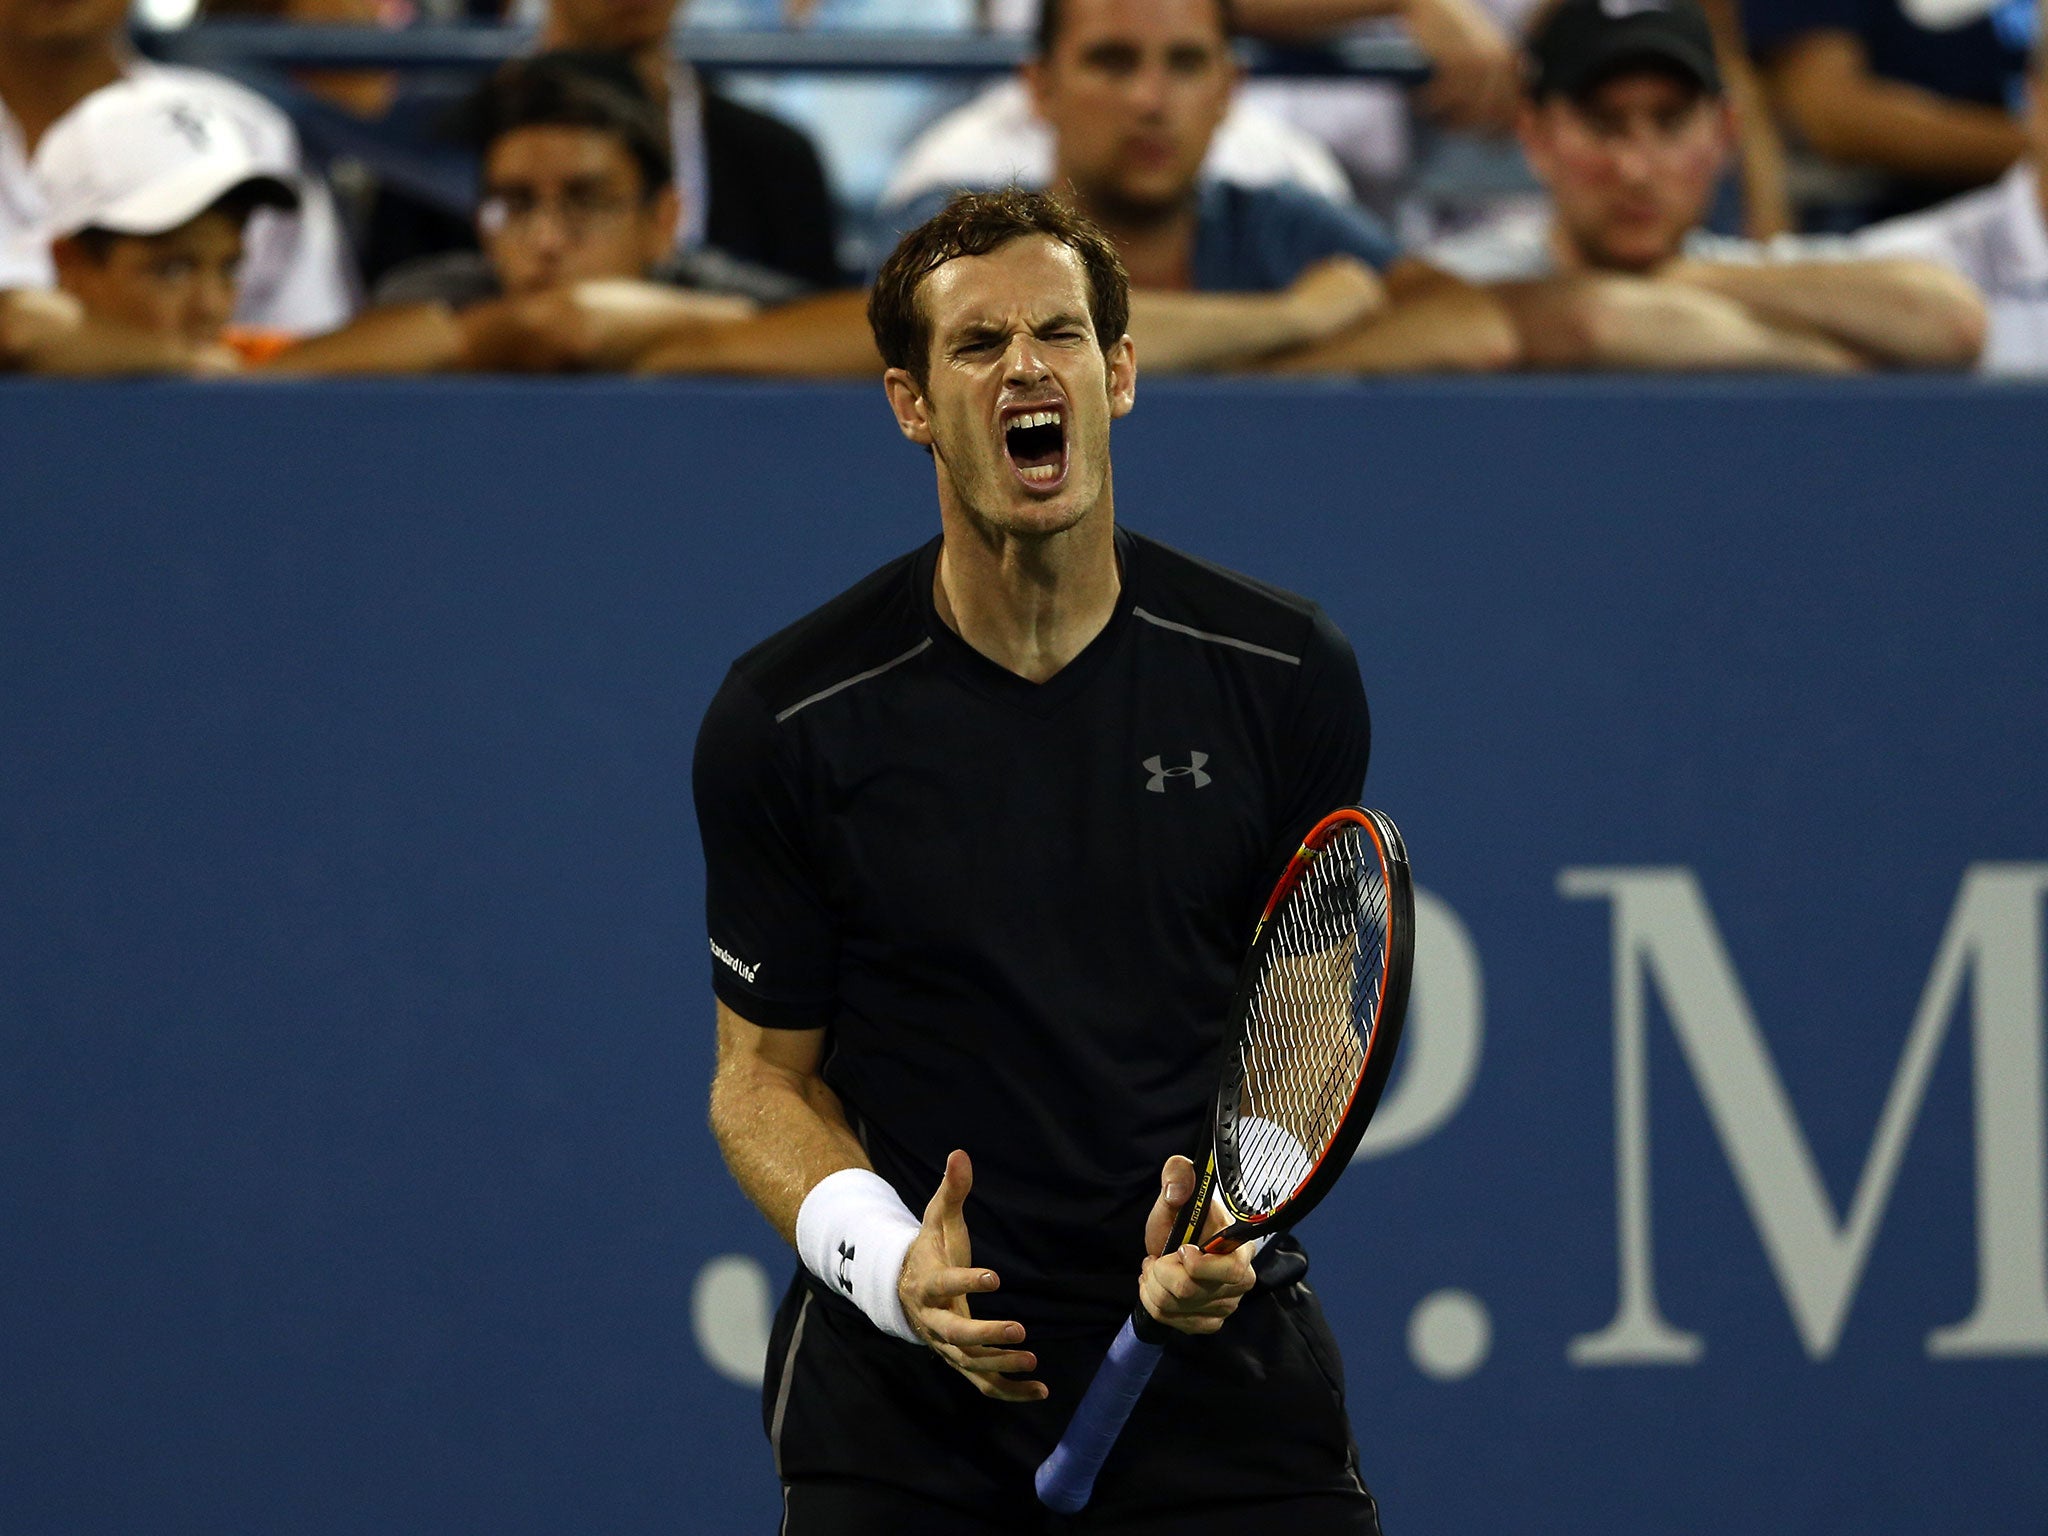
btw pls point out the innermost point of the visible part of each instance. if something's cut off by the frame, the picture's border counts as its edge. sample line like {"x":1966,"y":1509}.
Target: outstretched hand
{"x":938,"y":1277}
{"x":1189,"y":1290}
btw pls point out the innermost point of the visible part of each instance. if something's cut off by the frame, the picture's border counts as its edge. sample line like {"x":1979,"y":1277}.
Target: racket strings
{"x":1308,"y":1029}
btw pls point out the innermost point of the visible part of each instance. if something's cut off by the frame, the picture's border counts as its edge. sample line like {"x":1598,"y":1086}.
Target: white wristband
{"x":852,"y":1232}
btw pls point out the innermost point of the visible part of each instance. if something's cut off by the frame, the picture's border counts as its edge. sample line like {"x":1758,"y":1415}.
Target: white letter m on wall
{"x":1664,"y":932}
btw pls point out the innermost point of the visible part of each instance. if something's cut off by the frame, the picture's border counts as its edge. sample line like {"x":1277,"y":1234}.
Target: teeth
{"x":1041,"y":472}
{"x":1036,"y":419}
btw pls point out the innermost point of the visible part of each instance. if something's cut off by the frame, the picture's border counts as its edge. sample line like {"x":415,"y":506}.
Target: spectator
{"x":146,"y":187}
{"x":1276,"y":130}
{"x":750,"y":184}
{"x":1222,"y":274}
{"x":1133,"y":92}
{"x":577,"y":220}
{"x":999,"y":138}
{"x":297,"y":277}
{"x":1865,"y":85}
{"x":1997,"y":237}
{"x":1627,"y":129}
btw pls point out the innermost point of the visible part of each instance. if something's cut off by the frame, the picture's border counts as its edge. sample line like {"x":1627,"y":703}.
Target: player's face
{"x":182,"y":284}
{"x":62,"y":23}
{"x":1019,"y":398}
{"x":1134,"y":90}
{"x":566,"y":205}
{"x":1631,"y":167}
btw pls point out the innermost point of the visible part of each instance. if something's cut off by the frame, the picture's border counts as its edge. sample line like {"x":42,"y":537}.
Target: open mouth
{"x":1035,"y":438}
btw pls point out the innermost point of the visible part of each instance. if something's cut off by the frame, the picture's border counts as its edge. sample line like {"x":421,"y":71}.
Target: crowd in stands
{"x":1815,"y":185}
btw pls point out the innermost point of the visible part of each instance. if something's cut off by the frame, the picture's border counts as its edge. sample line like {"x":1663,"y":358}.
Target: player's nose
{"x":1024,"y":363}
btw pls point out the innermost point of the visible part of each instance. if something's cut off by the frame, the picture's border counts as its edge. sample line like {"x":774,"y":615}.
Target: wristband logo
{"x":845,"y":1276}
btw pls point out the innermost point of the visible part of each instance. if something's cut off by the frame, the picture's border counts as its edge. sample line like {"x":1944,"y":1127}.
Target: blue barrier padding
{"x":354,"y":1008}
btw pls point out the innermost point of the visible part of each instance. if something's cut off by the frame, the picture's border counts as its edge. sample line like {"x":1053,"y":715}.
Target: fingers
{"x":947,"y":1201}
{"x":1176,"y":1183}
{"x":1193,"y":1291}
{"x":990,"y":1362}
{"x":1008,"y":1391}
{"x":986,"y":1354}
{"x":1191,"y":1275}
{"x":962,"y":1331}
{"x":938,"y":1288}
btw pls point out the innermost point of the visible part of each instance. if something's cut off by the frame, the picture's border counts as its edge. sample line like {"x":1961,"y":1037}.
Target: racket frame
{"x":1397,"y":963}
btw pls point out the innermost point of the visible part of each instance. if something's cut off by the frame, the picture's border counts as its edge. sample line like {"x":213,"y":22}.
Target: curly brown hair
{"x":973,"y":224}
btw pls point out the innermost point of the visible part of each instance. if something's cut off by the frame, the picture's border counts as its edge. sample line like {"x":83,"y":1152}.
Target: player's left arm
{"x":1899,"y":312}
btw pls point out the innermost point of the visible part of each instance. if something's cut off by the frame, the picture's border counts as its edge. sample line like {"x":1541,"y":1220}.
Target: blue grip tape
{"x":1066,"y":1478}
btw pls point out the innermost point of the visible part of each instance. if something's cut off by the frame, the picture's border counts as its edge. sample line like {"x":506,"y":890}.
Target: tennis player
{"x":986,"y":838}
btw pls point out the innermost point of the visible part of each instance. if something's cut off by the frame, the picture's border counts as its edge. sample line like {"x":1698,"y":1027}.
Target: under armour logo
{"x":188,"y":121}
{"x":845,"y":1275}
{"x":1192,"y":768}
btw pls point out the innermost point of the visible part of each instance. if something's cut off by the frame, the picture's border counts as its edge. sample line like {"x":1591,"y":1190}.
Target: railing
{"x":215,"y":44}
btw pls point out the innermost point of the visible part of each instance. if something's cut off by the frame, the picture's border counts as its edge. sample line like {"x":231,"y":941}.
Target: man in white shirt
{"x":298,"y":276}
{"x":1627,"y":127}
{"x":999,"y":138}
{"x":1997,"y":237}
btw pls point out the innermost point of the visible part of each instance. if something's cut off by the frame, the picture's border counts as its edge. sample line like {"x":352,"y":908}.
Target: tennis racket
{"x":1313,"y":1029}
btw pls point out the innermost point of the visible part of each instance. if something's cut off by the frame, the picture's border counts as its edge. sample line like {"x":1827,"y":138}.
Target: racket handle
{"x":1066,"y":1478}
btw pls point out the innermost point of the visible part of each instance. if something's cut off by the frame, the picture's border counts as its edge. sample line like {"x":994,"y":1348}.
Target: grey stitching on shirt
{"x":1203,"y":634}
{"x":859,"y":677}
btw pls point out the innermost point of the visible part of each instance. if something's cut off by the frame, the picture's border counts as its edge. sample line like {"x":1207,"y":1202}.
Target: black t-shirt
{"x":1020,"y":908}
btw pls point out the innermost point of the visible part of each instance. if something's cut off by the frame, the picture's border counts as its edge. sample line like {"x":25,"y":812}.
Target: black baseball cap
{"x":1583,"y":42}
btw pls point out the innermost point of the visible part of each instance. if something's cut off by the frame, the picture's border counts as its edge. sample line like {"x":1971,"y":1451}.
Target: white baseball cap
{"x":143,"y":156}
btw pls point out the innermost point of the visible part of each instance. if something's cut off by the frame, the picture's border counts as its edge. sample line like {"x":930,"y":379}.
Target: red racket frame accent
{"x":1396,"y":967}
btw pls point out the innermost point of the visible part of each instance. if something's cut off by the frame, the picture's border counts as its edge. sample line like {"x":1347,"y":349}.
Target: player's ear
{"x":906,"y":399}
{"x":1122,"y":359}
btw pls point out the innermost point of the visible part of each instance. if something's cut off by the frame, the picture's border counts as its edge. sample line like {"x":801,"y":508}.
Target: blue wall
{"x":353,"y":1000}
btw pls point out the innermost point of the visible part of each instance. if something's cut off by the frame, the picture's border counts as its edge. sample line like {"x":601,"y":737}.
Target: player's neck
{"x":1029,"y":605}
{"x":40,"y":85}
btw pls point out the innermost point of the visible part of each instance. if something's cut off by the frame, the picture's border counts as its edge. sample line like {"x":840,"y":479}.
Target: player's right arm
{"x":783,"y":1132}
{"x":780,"y":1126}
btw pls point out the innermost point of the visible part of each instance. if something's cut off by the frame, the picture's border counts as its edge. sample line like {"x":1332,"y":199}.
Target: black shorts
{"x":1241,"y":1432}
